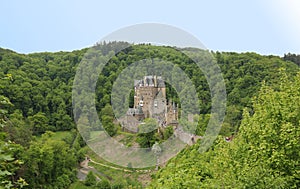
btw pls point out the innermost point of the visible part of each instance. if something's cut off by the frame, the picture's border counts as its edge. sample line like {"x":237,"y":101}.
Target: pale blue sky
{"x":232,"y":25}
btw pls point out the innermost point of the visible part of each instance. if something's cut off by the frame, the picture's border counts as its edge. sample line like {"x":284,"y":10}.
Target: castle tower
{"x":146,"y":94}
{"x":150,"y":101}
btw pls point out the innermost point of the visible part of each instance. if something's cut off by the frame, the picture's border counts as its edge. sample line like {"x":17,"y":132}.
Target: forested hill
{"x":42,"y":82}
{"x":265,"y":153}
{"x":36,"y":96}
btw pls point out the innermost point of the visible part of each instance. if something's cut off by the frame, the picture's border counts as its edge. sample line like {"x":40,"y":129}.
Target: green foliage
{"x":39,"y":123}
{"x":293,"y":58}
{"x":4,"y":102}
{"x":90,"y":179}
{"x":107,"y":119}
{"x":117,"y":178}
{"x":10,"y":153}
{"x":146,"y":137}
{"x":264,"y":154}
{"x":168,"y":132}
{"x":42,"y":82}
{"x":104,"y":184}
{"x":18,"y":129}
{"x":108,"y":125}
{"x":243,"y":74}
{"x":10,"y":165}
{"x":203,"y":120}
{"x":47,"y":162}
{"x":118,"y":185}
{"x":10,"y":162}
{"x":272,"y":134}
{"x":78,"y":185}
{"x":39,"y":87}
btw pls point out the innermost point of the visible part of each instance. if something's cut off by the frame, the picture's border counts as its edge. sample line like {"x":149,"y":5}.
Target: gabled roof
{"x":149,"y":81}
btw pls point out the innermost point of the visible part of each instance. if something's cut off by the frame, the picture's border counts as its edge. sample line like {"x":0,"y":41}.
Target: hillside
{"x":263,"y":154}
{"x":36,"y":97}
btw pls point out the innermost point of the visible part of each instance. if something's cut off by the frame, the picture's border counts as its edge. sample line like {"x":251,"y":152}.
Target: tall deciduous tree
{"x":47,"y":161}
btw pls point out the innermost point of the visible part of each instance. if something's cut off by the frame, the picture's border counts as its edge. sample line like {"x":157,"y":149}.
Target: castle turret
{"x":150,"y":97}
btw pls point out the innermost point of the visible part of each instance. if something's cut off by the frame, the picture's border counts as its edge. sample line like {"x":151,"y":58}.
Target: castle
{"x":150,"y":102}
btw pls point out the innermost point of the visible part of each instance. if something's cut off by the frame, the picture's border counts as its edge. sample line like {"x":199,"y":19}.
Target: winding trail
{"x":111,"y":167}
{"x":85,"y":169}
{"x":122,"y":169}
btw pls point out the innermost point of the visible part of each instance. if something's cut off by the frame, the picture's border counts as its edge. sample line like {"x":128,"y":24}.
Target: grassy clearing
{"x":95,"y":134}
{"x":113,"y":175}
{"x":59,"y":135}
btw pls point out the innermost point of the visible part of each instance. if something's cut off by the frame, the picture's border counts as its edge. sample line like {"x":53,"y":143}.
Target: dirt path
{"x":85,"y":169}
{"x":111,"y":167}
{"x":122,"y":169}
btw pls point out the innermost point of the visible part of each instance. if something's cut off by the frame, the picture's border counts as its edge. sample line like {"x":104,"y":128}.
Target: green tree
{"x":84,"y":127}
{"x":272,"y":134}
{"x":104,"y":184}
{"x":168,"y":132}
{"x":10,"y":162}
{"x":18,"y":129}
{"x":108,"y":125}
{"x":107,"y":111}
{"x":48,"y":160}
{"x":4,"y":103}
{"x":39,"y":123}
{"x":263,"y":154}
{"x":146,"y":136}
{"x":90,"y":179}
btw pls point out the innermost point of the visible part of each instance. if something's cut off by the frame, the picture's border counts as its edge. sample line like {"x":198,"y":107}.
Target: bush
{"x":104,"y":184}
{"x":90,"y":179}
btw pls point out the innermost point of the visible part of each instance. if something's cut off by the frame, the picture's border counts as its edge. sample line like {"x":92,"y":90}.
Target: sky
{"x":262,"y":26}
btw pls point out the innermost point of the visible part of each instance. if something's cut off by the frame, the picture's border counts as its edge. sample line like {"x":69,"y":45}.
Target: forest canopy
{"x":262,"y":113}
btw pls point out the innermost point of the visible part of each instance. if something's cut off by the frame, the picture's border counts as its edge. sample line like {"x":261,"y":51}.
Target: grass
{"x":78,"y":185}
{"x":58,"y":135}
{"x":113,"y":175}
{"x":128,"y":140}
{"x":98,"y":159}
{"x":95,"y":134}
